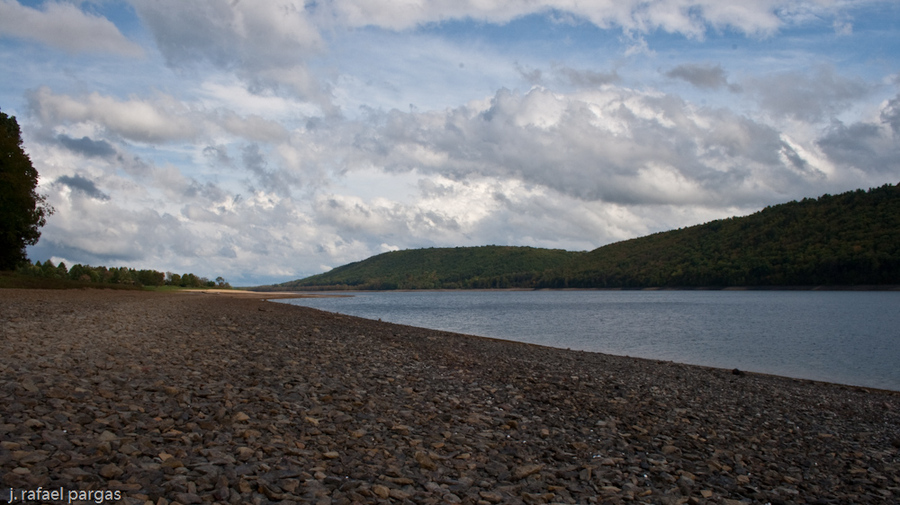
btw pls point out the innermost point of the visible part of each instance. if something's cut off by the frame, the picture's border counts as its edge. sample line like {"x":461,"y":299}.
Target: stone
{"x":399,"y":494}
{"x":111,"y":471}
{"x":188,"y":498}
{"x":685,"y":484}
{"x":525,"y":470}
{"x":381,"y":491}
{"x":290,"y":485}
{"x":425,"y":461}
{"x":491,"y":496}
{"x":172,"y":463}
{"x":29,"y":457}
{"x":244,"y":453}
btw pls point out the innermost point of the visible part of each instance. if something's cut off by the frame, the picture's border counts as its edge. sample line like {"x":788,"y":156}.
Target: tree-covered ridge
{"x":116,"y":275}
{"x":848,"y":239}
{"x":441,"y":268}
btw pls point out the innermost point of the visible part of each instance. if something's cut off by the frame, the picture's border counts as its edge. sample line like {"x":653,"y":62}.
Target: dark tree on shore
{"x":22,"y":210}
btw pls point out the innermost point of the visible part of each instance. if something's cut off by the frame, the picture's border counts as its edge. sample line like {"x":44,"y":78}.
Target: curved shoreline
{"x":230,"y":399}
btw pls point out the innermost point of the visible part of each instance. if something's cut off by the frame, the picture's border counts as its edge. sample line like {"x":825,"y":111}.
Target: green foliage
{"x":22,"y":210}
{"x":441,"y":268}
{"x":847,"y":239}
{"x":86,"y":274}
{"x":17,"y":280}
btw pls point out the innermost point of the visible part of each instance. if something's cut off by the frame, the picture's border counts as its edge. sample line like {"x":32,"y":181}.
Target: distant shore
{"x":230,"y":399}
{"x":248,"y":293}
{"x":867,"y":287}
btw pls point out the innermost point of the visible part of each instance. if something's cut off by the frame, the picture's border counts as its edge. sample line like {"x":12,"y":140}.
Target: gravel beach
{"x":201,"y":398}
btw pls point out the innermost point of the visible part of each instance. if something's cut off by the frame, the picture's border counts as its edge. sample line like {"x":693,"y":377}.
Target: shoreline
{"x":860,"y":288}
{"x":649,"y":359}
{"x":854,"y":367}
{"x":230,"y":399}
{"x":260,"y":295}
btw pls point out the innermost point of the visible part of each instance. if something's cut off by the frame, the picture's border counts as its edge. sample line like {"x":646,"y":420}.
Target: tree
{"x":22,"y":210}
{"x":173,"y":279}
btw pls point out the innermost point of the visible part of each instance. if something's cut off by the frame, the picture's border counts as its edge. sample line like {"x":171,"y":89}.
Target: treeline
{"x":117,"y":275}
{"x":835,"y":240}
{"x":482,"y":267}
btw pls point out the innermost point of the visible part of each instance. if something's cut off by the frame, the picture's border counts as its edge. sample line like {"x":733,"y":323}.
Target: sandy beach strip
{"x":169,"y":398}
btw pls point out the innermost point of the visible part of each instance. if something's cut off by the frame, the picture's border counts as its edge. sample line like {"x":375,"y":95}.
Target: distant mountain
{"x":847,"y":239}
{"x":441,"y":268}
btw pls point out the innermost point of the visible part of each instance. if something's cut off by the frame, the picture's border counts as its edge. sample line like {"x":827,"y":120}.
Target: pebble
{"x":192,"y":398}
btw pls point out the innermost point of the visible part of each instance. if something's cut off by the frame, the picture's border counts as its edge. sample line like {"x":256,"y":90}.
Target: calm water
{"x":844,"y":337}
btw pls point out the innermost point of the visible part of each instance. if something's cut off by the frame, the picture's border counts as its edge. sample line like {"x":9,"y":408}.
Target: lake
{"x":835,"y":336}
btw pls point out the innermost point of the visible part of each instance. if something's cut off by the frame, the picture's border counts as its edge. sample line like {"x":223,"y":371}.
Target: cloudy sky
{"x":268,"y":140}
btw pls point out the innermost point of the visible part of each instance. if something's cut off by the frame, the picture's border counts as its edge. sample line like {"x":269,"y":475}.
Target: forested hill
{"x":847,"y":239}
{"x":441,"y":268}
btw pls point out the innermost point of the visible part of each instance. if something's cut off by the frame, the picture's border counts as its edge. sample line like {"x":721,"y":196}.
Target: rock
{"x":290,"y":485}
{"x":188,"y":498}
{"x":172,"y":463}
{"x":33,"y":424}
{"x":245,"y":453}
{"x":111,"y":471}
{"x":525,"y":470}
{"x":425,"y":461}
{"x":685,"y":484}
{"x":381,"y":491}
{"x":399,"y":494}
{"x":29,"y":457}
{"x":669,"y":449}
{"x":491,"y":496}
{"x":495,"y":468}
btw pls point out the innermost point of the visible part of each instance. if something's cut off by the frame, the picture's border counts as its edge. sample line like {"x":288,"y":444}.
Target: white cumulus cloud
{"x":63,"y":26}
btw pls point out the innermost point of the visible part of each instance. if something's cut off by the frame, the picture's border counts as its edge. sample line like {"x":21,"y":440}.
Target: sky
{"x":269,"y":140}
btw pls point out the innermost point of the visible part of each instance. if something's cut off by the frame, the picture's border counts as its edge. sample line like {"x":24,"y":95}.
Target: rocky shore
{"x":202,"y":398}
